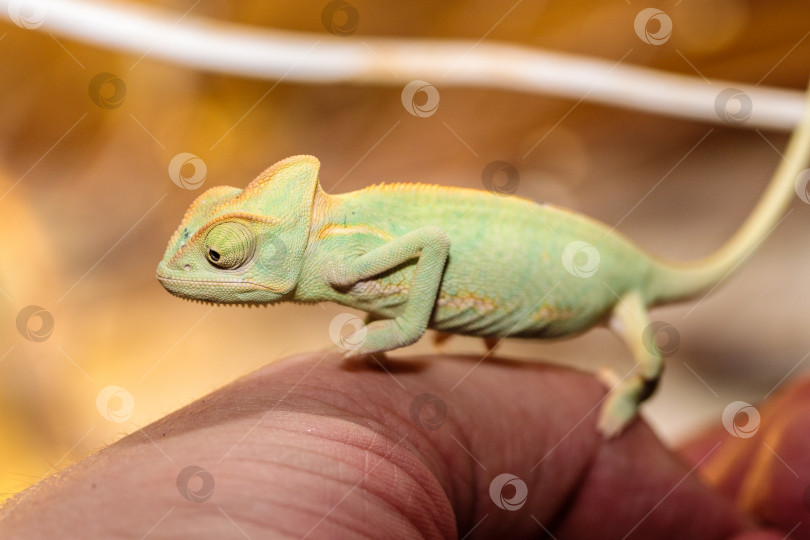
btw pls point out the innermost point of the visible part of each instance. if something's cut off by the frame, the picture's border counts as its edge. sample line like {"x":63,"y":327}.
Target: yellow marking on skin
{"x":376,"y":288}
{"x":460,"y":301}
{"x":333,"y":229}
{"x":465,"y":300}
{"x":548,"y":313}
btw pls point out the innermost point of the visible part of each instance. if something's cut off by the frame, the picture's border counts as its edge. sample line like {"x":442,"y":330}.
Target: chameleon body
{"x":416,"y":256}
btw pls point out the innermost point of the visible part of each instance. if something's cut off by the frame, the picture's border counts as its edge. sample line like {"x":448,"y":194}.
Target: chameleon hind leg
{"x":440,"y":339}
{"x":491,"y":343}
{"x":628,"y":321}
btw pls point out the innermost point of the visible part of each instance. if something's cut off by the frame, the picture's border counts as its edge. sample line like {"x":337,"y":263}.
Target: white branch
{"x":235,"y":49}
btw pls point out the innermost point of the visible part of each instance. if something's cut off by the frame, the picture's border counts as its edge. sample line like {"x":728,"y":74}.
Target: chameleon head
{"x":244,"y":246}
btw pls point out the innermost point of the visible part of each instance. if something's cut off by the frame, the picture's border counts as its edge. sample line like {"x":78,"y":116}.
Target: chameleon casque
{"x":417,"y":256}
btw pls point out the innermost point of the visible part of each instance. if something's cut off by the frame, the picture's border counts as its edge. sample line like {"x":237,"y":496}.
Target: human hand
{"x":313,"y":447}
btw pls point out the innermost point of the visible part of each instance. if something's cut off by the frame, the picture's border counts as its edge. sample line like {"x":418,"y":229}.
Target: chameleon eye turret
{"x":229,"y":245}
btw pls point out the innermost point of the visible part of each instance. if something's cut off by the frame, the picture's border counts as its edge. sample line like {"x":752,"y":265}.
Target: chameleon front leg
{"x":430,"y":247}
{"x":628,"y":320}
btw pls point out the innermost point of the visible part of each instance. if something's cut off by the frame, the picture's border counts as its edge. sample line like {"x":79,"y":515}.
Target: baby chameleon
{"x":416,"y":256}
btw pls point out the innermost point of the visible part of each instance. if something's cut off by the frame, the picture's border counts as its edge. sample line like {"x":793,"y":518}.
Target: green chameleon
{"x":417,"y":256}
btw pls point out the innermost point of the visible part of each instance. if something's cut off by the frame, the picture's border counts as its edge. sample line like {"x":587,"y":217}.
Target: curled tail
{"x":672,"y":281}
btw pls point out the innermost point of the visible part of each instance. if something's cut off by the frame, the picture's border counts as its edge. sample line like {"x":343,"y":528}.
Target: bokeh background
{"x":87,"y":204}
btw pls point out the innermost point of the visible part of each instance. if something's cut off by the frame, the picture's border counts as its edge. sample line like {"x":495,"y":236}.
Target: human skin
{"x":318,"y":448}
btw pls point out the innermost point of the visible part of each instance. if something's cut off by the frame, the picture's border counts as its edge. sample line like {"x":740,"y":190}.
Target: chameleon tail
{"x":672,"y":281}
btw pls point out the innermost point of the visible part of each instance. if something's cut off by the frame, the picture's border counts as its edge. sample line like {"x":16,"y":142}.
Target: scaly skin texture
{"x":417,"y":256}
{"x":482,"y":290}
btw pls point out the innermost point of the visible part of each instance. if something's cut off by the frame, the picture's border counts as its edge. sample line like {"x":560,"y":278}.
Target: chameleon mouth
{"x":167,"y":279}
{"x":213,"y":291}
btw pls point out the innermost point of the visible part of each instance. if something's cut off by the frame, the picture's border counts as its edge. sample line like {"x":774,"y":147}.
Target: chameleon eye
{"x":229,"y":245}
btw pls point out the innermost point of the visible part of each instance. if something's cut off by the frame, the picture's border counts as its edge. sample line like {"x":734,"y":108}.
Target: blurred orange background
{"x":87,"y":204}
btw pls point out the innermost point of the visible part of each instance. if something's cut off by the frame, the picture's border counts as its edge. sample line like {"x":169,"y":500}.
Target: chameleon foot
{"x":621,"y":406}
{"x":608,"y":377}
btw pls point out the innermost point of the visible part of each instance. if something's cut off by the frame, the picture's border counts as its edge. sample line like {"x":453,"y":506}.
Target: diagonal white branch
{"x":265,"y":53}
